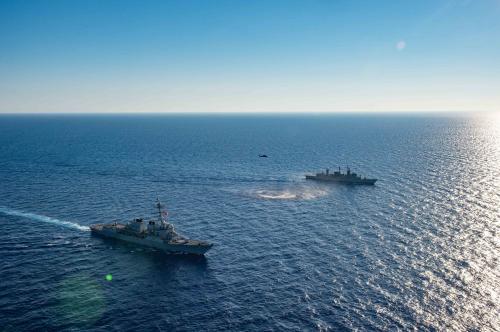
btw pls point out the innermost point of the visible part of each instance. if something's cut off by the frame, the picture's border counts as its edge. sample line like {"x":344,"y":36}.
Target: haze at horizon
{"x":259,"y":56}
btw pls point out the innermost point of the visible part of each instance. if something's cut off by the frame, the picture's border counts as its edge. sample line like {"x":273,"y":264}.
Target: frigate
{"x":157,"y":233}
{"x":338,"y":176}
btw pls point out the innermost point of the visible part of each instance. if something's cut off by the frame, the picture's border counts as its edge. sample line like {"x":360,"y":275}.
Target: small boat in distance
{"x":262,"y":155}
{"x":339,"y":177}
{"x":158,"y":234}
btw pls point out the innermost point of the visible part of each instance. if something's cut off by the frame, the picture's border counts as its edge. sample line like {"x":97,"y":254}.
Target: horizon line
{"x":357,"y":112}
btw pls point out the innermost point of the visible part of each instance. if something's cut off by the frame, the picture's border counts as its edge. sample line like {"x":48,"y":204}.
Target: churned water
{"x":419,"y":250}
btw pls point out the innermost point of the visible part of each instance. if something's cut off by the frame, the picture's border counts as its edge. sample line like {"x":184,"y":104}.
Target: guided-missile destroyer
{"x":156,"y":233}
{"x":339,"y":177}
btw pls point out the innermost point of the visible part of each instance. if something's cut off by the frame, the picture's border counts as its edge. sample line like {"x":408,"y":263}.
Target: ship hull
{"x":152,"y":242}
{"x":368,"y":182}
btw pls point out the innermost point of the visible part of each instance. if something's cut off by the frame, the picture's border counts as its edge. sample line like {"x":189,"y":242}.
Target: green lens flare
{"x":109,"y":277}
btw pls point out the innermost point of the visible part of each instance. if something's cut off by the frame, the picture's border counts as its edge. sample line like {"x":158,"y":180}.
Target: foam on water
{"x":41,"y":218}
{"x":270,"y":194}
{"x":289,"y":193}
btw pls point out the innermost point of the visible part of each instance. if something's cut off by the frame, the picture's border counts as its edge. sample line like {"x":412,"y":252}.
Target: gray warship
{"x":339,"y":177}
{"x":159,"y":234}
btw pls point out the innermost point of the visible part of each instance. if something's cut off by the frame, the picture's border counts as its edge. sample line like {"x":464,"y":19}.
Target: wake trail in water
{"x":37,"y":217}
{"x":298,"y":193}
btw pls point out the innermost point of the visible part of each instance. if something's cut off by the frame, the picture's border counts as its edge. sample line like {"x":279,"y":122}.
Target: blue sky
{"x":249,"y":56}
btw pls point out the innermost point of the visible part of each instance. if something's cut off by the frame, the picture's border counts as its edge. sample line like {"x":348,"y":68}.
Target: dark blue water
{"x":419,"y":250}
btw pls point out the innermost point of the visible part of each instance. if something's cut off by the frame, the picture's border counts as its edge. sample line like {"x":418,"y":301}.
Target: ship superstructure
{"x":339,"y":177}
{"x":155,"y":233}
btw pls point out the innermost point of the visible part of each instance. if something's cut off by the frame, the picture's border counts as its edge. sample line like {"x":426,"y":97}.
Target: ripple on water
{"x":419,"y":250}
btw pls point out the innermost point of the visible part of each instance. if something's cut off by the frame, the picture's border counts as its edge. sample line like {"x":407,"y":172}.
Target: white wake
{"x":290,"y":193}
{"x":41,"y":218}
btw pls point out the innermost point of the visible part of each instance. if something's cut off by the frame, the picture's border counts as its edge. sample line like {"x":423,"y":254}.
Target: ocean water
{"x":418,"y":251}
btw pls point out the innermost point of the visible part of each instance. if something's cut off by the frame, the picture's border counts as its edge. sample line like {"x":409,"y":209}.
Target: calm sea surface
{"x":419,"y":250}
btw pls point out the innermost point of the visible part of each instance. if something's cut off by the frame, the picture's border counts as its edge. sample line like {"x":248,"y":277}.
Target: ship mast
{"x":158,"y":205}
